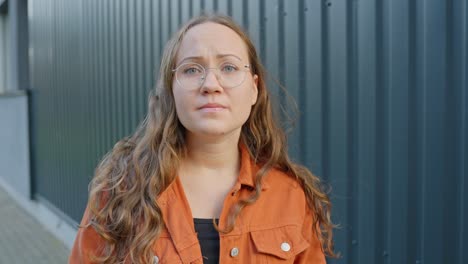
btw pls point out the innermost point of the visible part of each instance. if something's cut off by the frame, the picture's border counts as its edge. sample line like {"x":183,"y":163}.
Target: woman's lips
{"x":212,"y":108}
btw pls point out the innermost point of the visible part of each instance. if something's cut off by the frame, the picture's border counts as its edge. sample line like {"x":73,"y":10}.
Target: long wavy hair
{"x":122,"y":203}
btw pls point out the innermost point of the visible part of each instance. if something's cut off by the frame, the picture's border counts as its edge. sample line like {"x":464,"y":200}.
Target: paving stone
{"x":23,"y":239}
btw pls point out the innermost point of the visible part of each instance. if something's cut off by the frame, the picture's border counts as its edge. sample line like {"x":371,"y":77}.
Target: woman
{"x":206,"y":178}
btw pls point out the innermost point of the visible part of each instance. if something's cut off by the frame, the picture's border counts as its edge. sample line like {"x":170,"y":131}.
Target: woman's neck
{"x":221,"y":155}
{"x":208,"y":172}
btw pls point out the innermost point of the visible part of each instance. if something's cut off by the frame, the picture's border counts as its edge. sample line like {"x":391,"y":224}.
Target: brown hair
{"x":142,"y":166}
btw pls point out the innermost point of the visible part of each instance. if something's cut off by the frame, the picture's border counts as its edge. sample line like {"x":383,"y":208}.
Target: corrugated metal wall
{"x":381,"y":86}
{"x":4,"y":57}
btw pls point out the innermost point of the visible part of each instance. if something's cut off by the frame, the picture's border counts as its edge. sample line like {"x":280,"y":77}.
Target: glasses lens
{"x":229,"y":74}
{"x":232,"y":74}
{"x":190,"y":75}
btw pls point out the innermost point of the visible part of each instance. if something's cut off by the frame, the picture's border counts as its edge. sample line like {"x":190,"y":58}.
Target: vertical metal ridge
{"x":36,"y":83}
{"x":173,"y":16}
{"x":412,"y":136}
{"x":57,"y":76}
{"x":202,"y":5}
{"x":313,"y":86}
{"x":58,"y":82}
{"x":71,"y":115}
{"x":117,"y":77}
{"x":229,"y":7}
{"x":158,"y":40}
{"x":149,"y":64}
{"x":421,"y":171}
{"x":190,"y":8}
{"x":112,"y":69}
{"x":47,"y":81}
{"x":325,"y":88}
{"x":179,"y":11}
{"x":58,"y":169}
{"x":384,"y":112}
{"x":126,"y":69}
{"x":352,"y":105}
{"x":245,"y":14}
{"x":271,"y":59}
{"x":104,"y":41}
{"x":128,"y":63}
{"x":338,"y":124}
{"x":197,"y":8}
{"x":67,"y":155}
{"x":135,"y":63}
{"x":160,"y":31}
{"x":434,"y":132}
{"x":290,"y":41}
{"x":281,"y":61}
{"x":100,"y":76}
{"x":152,"y":46}
{"x":380,"y":123}
{"x":398,"y":87}
{"x":262,"y":30}
{"x":86,"y":70}
{"x":105,"y":69}
{"x":325,"y":148}
{"x":141,"y":52}
{"x":451,"y":216}
{"x":93,"y":74}
{"x":139,"y":56}
{"x":463,"y":138}
{"x":302,"y":82}
{"x":119,"y":87}
{"x":365,"y":120}
{"x":133,"y":87}
{"x":54,"y":78}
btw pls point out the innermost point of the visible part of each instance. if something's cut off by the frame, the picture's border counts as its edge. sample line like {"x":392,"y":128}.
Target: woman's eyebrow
{"x":201,"y":57}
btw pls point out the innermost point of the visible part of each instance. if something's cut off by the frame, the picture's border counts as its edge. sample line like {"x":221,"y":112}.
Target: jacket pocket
{"x":165,"y":251}
{"x":279,"y":245}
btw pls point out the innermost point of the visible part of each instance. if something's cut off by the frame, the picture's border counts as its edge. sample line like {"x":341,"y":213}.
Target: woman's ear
{"x":255,"y":89}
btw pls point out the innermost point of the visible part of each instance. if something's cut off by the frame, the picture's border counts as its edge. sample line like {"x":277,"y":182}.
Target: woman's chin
{"x":213,"y":132}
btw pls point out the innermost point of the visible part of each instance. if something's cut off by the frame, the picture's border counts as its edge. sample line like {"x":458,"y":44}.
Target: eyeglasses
{"x":192,"y":75}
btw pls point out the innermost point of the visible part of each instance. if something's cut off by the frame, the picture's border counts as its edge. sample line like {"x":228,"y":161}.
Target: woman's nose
{"x":211,"y":81}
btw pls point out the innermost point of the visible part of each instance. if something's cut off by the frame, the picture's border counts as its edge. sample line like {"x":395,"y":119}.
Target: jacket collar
{"x":248,"y":171}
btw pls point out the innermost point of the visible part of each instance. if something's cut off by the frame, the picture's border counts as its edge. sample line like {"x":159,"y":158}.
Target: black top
{"x":209,"y":240}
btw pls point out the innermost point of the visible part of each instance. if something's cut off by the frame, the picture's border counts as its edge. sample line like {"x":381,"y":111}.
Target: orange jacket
{"x":277,"y":228}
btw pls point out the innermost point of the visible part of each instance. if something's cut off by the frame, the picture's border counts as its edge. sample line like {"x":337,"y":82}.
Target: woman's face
{"x":210,"y":106}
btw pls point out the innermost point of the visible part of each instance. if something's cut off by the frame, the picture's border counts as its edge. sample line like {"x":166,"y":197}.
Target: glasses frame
{"x":246,"y":68}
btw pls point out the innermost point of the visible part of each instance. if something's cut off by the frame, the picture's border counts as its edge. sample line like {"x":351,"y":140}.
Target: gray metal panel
{"x":365,"y":169}
{"x":4,"y":53}
{"x":312,"y":83}
{"x":18,"y":78}
{"x":381,"y":88}
{"x":337,"y":127}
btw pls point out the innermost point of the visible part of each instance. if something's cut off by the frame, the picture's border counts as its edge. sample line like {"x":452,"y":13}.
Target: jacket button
{"x":285,"y":247}
{"x":155,"y":260}
{"x":234,"y":252}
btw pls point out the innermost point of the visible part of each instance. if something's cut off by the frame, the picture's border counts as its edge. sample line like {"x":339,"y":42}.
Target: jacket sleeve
{"x":314,"y":253}
{"x":87,"y":243}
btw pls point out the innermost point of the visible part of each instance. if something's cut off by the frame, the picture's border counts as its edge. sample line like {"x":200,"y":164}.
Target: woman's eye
{"x":229,"y":68}
{"x":192,"y":70}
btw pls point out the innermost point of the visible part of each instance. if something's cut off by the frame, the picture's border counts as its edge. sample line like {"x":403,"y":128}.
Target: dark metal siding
{"x":381,"y":88}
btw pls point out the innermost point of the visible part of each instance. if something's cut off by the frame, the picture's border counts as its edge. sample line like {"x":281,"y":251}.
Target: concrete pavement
{"x":23,"y":239}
